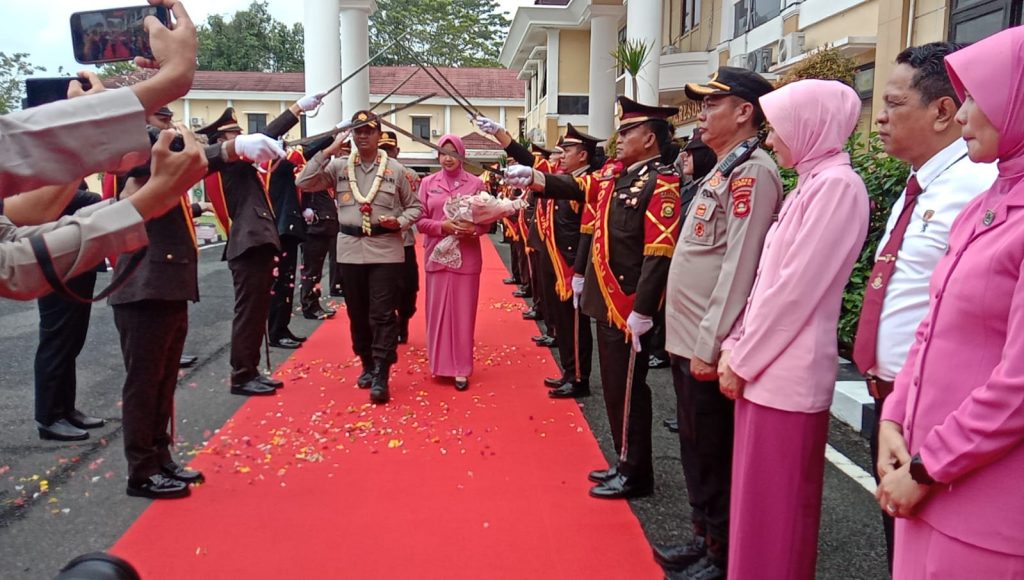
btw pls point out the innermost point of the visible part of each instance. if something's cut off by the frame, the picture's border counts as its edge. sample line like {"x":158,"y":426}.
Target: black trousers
{"x":334,"y":268}
{"x":283,"y":290}
{"x":705,"y":443}
{"x":613,"y":351}
{"x":253,"y":275}
{"x":658,"y":336}
{"x":371,"y":299}
{"x":63,"y":326}
{"x":524,"y":266}
{"x":314,"y":251}
{"x":410,"y":287}
{"x":515,"y":260}
{"x":888,"y":523}
{"x":152,"y":338}
{"x":537,"y":284}
{"x":560,"y":317}
{"x":546,"y":282}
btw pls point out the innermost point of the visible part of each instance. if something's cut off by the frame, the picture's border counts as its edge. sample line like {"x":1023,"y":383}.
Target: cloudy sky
{"x":41,"y":28}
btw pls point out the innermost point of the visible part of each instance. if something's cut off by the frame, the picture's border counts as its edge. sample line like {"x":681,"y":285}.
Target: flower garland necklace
{"x":365,"y":207}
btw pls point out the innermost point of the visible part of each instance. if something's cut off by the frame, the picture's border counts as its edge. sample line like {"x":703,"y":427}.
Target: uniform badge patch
{"x":741,"y":188}
{"x":698,"y":229}
{"x":346,"y":197}
{"x":702,"y":210}
{"x":716,"y":179}
{"x":667,"y":211}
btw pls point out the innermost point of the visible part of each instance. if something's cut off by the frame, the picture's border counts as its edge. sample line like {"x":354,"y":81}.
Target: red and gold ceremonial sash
{"x":619,"y":303}
{"x":186,"y":208}
{"x":214,"y":186}
{"x":523,"y":229}
{"x":563,"y":271}
{"x":510,"y":229}
{"x":543,"y":219}
{"x":663,"y":215}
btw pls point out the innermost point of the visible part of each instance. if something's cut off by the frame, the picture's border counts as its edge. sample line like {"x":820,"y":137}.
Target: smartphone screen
{"x":39,"y":91}
{"x":113,"y":34}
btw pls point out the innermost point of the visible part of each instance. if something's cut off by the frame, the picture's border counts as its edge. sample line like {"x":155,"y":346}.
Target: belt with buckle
{"x":375,"y":230}
{"x":878,"y":388}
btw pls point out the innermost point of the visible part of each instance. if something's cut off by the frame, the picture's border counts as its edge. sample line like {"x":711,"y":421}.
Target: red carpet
{"x":317,"y":483}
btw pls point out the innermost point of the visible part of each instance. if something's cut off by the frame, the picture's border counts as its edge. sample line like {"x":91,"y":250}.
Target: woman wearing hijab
{"x":779,"y":362}
{"x":950,"y":453}
{"x":452,"y":293}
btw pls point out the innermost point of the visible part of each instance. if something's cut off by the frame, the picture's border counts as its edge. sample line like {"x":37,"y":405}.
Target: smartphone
{"x":39,"y":91}
{"x":113,"y":34}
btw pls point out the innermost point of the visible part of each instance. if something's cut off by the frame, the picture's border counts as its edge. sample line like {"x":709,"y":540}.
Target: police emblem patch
{"x":667,"y":211}
{"x":716,"y":180}
{"x":346,"y":197}
{"x":698,"y":229}
{"x":702,"y":209}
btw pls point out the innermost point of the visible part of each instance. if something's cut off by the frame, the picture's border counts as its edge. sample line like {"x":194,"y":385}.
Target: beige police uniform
{"x":715,"y":262}
{"x":396,"y":198}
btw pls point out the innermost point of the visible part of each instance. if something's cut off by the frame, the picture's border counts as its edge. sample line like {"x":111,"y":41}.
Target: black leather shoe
{"x":656,"y":362}
{"x":707,"y":568}
{"x":182,"y":474}
{"x":546,"y":342}
{"x":285,"y":343}
{"x":379,"y":389}
{"x":672,"y":424}
{"x":521,"y":294}
{"x":158,"y":486}
{"x":254,"y":388}
{"x":61,"y":430}
{"x":570,"y":391}
{"x":296,"y":338}
{"x":553,"y":383}
{"x":318,"y":314}
{"x":330,"y":312}
{"x":403,"y":332}
{"x":187,"y":360}
{"x":539,"y":338}
{"x":679,"y":557}
{"x":461,"y":384}
{"x":603,"y":475}
{"x":337,"y":293}
{"x":622,"y":487}
{"x":510,"y":281}
{"x":270,"y":382}
{"x":83,"y":421}
{"x":531,"y":315}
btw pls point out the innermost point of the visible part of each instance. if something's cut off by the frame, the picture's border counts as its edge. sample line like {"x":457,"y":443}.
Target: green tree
{"x":250,"y":40}
{"x":13,"y":70}
{"x":459,"y":33}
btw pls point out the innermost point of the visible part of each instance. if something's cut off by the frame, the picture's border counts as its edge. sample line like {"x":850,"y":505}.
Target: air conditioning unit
{"x":738,"y":61}
{"x":759,"y":60}
{"x":435,"y":133}
{"x":196,"y":121}
{"x":790,"y":46}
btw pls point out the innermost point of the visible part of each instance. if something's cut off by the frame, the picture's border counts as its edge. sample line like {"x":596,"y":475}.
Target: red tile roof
{"x":478,"y":142}
{"x":480,"y":83}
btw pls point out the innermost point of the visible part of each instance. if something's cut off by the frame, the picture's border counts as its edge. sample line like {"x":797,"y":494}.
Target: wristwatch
{"x":918,"y":473}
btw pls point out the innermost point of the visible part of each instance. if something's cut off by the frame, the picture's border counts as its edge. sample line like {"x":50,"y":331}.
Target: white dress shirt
{"x":948,"y":180}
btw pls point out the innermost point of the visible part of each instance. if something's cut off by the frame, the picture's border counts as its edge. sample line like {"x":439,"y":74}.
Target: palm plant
{"x":631,"y":55}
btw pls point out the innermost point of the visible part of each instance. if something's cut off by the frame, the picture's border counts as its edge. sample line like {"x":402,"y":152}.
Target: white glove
{"x":638,"y":325}
{"x":488,"y":126}
{"x":258,"y":148}
{"x":344,"y":125}
{"x":519,"y":203}
{"x":310,"y":102}
{"x":309,"y":215}
{"x":577,"y":290}
{"x":519,"y":176}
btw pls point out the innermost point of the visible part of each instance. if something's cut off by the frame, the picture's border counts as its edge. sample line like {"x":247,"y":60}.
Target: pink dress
{"x":451,"y":294}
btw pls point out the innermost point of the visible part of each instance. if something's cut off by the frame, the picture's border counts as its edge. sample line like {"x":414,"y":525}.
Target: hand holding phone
{"x":114,"y":34}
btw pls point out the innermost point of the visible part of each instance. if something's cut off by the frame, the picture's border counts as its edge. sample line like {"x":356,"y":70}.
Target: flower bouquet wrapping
{"x":480,"y":209}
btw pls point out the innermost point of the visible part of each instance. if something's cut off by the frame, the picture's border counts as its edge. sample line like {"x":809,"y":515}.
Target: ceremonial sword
{"x":463,"y":103}
{"x":629,"y":396}
{"x":394,"y":90}
{"x":358,"y":70}
{"x":356,"y":125}
{"x":576,"y":341}
{"x":430,"y":144}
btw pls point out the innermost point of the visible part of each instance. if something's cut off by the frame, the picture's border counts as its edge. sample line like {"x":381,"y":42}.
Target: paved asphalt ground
{"x":85,"y":508}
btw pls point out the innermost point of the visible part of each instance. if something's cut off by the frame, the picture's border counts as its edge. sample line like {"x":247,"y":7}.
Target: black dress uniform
{"x":63,"y":326}
{"x":291,"y":228}
{"x":532,"y":257}
{"x":151,"y":316}
{"x":321,"y":239}
{"x":634,"y":219}
{"x":253,"y":243}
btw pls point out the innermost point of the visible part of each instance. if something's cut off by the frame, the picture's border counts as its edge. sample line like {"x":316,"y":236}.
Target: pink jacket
{"x":960,"y":396}
{"x":785,"y":343}
{"x":435,"y":189}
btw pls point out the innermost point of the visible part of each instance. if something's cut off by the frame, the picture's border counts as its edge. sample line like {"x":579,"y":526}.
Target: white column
{"x":600,"y":119}
{"x":501,"y":116}
{"x":552,"y":71}
{"x":355,"y":51}
{"x":447,"y":119}
{"x":643,"y":23}
{"x":188,"y":113}
{"x":322,"y":50}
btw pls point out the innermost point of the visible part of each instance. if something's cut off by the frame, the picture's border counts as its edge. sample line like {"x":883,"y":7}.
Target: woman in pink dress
{"x":451,"y":293}
{"x":779,"y":362}
{"x":951,"y":439}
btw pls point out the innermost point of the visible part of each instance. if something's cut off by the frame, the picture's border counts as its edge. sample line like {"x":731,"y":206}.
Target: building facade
{"x":559,"y":46}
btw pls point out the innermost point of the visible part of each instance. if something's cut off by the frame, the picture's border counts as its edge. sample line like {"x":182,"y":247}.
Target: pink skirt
{"x":451,"y":301}
{"x":778,"y":469}
{"x":924,"y":553}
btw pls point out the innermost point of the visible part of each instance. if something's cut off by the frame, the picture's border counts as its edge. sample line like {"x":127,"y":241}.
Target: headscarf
{"x":814,"y":118}
{"x":703,"y":157}
{"x":459,"y":174}
{"x":992,"y":71}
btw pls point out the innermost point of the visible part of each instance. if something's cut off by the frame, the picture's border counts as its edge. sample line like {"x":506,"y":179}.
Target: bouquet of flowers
{"x":480,"y":209}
